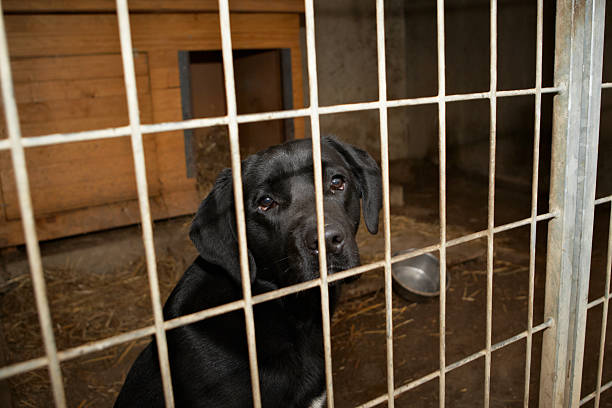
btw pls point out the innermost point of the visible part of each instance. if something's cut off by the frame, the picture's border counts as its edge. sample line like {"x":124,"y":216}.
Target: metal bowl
{"x":417,"y":279}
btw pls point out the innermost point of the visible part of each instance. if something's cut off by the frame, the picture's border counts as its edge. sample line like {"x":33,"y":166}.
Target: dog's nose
{"x":334,"y":240}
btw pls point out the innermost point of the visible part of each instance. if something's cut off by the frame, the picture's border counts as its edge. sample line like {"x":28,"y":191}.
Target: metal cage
{"x":577,"y":89}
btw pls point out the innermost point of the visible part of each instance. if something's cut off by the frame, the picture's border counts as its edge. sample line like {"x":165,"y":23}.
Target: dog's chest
{"x":293,"y":373}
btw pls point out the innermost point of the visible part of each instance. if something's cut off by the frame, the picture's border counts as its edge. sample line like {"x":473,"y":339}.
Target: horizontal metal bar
{"x":596,"y":302}
{"x":592,"y":395}
{"x":501,"y":228}
{"x":606,"y":85}
{"x":603,"y":200}
{"x":109,"y":133}
{"x":422,"y":380}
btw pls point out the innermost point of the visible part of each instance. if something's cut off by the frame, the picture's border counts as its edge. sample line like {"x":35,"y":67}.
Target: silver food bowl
{"x":417,"y":279}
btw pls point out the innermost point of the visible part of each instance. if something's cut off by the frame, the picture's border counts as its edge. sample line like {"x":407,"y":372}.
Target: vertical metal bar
{"x":534,"y":197}
{"x":143,"y":196}
{"x":604,"y":317}
{"x":384,"y":153}
{"x":491,"y":199}
{"x":587,"y":176}
{"x":578,"y":63}
{"x":442,"y":181}
{"x":316,"y":158}
{"x":230,"y":92}
{"x":564,"y":162}
{"x":27,"y":217}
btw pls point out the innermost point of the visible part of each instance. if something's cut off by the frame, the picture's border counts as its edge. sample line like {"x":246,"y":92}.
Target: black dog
{"x":208,"y":359}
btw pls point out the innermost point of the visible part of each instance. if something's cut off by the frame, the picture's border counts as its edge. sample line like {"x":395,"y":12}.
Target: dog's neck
{"x":301,"y":305}
{"x":306,"y":306}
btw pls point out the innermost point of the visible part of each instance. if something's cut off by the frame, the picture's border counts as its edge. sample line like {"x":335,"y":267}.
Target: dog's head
{"x":279,"y":204}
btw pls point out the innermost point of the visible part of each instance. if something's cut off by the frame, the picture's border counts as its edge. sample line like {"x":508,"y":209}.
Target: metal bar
{"x":534,"y":197}
{"x":27,"y":217}
{"x":604,"y":315}
{"x":109,"y":133}
{"x":603,"y":200}
{"x":442,"y":194}
{"x":592,"y":395}
{"x":578,"y":59}
{"x":460,"y":363}
{"x":606,"y":85}
{"x":592,"y":64}
{"x":562,"y":194}
{"x":384,"y":156}
{"x":230,"y":96}
{"x":596,"y":302}
{"x":143,"y":196}
{"x":318,"y":182}
{"x":491,"y":197}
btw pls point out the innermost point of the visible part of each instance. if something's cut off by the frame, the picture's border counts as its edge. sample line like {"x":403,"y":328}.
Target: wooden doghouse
{"x":68,"y":77}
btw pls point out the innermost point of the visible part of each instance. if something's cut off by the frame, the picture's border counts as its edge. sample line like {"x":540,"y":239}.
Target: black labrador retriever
{"x":208,"y":360}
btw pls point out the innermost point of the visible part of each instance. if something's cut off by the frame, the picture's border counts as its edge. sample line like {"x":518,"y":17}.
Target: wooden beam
{"x":98,"y":218}
{"x":44,"y":6}
{"x":50,"y":35}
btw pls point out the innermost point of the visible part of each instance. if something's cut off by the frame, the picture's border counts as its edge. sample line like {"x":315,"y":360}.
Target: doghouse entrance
{"x":263,"y":84}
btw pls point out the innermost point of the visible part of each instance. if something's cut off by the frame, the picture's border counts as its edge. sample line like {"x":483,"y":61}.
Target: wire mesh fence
{"x":570,"y":216}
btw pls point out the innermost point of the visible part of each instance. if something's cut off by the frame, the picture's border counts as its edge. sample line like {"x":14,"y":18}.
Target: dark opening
{"x":263,"y":83}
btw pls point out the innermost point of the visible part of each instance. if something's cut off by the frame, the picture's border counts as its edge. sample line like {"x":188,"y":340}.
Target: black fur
{"x":208,"y":360}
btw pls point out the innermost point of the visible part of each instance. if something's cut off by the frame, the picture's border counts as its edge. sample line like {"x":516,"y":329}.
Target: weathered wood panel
{"x":71,"y":67}
{"x":67,"y":68}
{"x":49,"y":35}
{"x":66,"y":185}
{"x":74,"y":175}
{"x":65,"y":90}
{"x":90,"y":219}
{"x":295,"y":6}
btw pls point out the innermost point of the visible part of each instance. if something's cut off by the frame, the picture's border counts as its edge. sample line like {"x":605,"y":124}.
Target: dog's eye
{"x":266,"y":203}
{"x":337,"y":183}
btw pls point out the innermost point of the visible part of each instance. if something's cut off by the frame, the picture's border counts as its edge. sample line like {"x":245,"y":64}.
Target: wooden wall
{"x":68,"y":77}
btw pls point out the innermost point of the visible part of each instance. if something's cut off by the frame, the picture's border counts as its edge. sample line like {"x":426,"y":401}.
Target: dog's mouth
{"x":304,"y":270}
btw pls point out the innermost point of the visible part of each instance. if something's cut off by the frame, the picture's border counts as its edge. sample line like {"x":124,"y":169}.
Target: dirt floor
{"x":97,"y":287}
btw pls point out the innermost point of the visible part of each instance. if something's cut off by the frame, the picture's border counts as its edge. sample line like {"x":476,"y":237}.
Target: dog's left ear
{"x":370,"y":183}
{"x":213,"y":230}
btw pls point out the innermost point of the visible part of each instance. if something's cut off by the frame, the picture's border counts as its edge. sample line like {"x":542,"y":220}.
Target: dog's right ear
{"x":213,"y":230}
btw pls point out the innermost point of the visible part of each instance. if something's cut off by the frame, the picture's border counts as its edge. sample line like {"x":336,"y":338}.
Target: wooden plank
{"x":48,"y":35}
{"x":78,"y":124}
{"x":164,"y":69}
{"x":57,"y":90}
{"x":90,"y":151}
{"x":60,"y":186}
{"x":151,"y":5}
{"x":73,"y":67}
{"x":166,"y":104}
{"x":98,"y":218}
{"x":56,"y":111}
{"x":201,"y":31}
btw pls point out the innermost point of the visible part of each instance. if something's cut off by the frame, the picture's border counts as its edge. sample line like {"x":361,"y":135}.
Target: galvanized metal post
{"x":578,"y":63}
